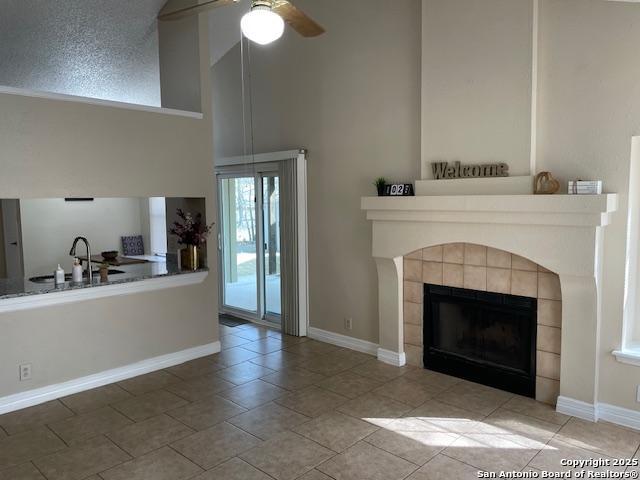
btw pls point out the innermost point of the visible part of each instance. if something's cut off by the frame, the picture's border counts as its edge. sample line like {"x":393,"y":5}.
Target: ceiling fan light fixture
{"x":262,"y":25}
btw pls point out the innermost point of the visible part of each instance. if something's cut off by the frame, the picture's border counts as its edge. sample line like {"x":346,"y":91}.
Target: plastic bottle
{"x":58,"y":275}
{"x":76,"y":274}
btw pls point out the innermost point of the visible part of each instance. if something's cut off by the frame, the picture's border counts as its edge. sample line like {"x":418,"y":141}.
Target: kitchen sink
{"x":67,"y":277}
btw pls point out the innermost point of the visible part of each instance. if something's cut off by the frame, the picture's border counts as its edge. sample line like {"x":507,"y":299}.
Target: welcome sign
{"x":445,"y":170}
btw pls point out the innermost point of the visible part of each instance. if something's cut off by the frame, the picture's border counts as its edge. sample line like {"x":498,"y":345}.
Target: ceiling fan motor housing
{"x":262,"y":4}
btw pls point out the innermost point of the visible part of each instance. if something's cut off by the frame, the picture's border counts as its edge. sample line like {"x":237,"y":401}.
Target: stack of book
{"x":585,"y":187}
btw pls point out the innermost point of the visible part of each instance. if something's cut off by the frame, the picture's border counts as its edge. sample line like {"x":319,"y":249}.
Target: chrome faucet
{"x":72,"y":252}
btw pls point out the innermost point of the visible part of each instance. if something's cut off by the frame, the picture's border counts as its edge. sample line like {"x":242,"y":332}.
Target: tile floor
{"x":276,"y":407}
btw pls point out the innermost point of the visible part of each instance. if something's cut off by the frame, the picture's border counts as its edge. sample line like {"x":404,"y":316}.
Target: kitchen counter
{"x":20,"y":294}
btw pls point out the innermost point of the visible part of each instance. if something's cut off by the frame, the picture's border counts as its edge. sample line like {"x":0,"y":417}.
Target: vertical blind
{"x":289,"y":247}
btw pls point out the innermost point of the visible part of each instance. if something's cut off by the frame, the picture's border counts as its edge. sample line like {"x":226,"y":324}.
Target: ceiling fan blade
{"x":177,"y":9}
{"x":297,"y":19}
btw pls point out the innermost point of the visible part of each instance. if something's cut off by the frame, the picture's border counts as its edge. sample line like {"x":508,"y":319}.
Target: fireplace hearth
{"x":485,"y":337}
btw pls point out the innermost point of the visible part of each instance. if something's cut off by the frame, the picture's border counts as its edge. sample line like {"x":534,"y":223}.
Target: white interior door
{"x":12,"y":238}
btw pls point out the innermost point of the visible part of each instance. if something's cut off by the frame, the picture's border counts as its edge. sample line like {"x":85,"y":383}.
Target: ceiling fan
{"x":263,"y":24}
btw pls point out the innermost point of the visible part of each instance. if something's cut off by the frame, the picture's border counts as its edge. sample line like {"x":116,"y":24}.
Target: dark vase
{"x":380,"y":190}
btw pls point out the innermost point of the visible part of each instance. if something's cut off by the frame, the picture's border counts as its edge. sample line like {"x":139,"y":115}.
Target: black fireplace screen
{"x":488,"y":338}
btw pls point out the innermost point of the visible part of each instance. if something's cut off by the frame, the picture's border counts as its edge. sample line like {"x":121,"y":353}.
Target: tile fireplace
{"x":555,"y":246}
{"x":488,"y":338}
{"x":485,"y":270}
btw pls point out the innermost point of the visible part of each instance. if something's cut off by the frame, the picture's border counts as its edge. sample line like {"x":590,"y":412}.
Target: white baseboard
{"x":392,"y":358}
{"x":600,"y":411}
{"x":618,"y":415}
{"x":342,"y":341}
{"x":386,"y":356}
{"x":577,"y":408}
{"x":30,"y":398}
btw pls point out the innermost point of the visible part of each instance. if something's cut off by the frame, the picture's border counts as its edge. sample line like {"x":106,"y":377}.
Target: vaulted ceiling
{"x":224,"y":28}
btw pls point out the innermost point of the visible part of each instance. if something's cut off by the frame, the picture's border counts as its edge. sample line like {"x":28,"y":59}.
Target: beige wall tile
{"x":414,"y":355}
{"x":432,"y":254}
{"x":417,"y":255}
{"x":475,"y":255}
{"x":412,"y":270}
{"x":498,"y":258}
{"x":542,"y":269}
{"x":432,"y":272}
{"x":524,"y":283}
{"x":413,"y":334}
{"x":413,"y":292}
{"x":549,"y":286}
{"x":499,"y":280}
{"x":549,"y":339}
{"x":412,"y":313}
{"x":548,"y":365}
{"x":452,"y":275}
{"x":475,"y":278}
{"x":550,"y":313}
{"x":453,"y":253}
{"x":547,"y":390}
{"x":521,"y":263}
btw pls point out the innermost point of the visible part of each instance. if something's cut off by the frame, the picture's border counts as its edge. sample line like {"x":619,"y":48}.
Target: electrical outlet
{"x":348,"y":323}
{"x":638,"y":394}
{"x":25,"y":372}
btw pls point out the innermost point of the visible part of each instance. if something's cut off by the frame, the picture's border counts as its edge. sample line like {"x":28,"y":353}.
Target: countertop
{"x":14,"y":288}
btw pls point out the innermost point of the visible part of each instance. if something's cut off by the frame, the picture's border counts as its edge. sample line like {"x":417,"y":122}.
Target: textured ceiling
{"x":95,"y":48}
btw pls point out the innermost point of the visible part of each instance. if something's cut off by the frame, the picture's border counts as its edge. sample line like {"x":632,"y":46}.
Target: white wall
{"x":224,"y":28}
{"x":67,"y":342}
{"x":91,"y":48}
{"x":476,"y":82}
{"x":93,"y":151}
{"x":180,"y":64}
{"x":3,"y":265}
{"x":54,"y":148}
{"x":50,"y":225}
{"x":232,"y":134}
{"x":589,"y":108}
{"x":352,"y":97}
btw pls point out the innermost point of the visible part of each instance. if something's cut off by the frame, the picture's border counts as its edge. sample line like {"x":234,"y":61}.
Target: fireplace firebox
{"x":488,"y":338}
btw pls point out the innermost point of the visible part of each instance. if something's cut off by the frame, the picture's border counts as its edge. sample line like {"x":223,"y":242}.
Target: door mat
{"x":231,"y":321}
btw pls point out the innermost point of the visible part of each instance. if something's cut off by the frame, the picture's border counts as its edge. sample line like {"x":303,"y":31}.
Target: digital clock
{"x":398,"y":190}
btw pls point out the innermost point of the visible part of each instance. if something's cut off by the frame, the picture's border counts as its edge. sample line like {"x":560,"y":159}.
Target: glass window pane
{"x":271,"y":216}
{"x":239,"y":243}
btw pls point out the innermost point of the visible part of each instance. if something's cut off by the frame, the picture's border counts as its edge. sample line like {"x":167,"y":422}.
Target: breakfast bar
{"x":23,"y":294}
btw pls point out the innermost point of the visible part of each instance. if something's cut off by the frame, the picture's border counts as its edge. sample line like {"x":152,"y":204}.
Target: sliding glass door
{"x":250,"y":244}
{"x":239,"y":243}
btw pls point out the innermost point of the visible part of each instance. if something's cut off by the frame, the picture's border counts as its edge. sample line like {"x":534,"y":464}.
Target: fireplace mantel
{"x":563,"y":233}
{"x":541,"y":228}
{"x":567,"y":210}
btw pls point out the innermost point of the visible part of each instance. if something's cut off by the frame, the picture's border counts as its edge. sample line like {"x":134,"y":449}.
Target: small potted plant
{"x":380,"y":183}
{"x":192,"y":232}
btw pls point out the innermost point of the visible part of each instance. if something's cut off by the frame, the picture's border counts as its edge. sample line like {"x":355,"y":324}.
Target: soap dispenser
{"x":59,"y":276}
{"x":76,"y":274}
